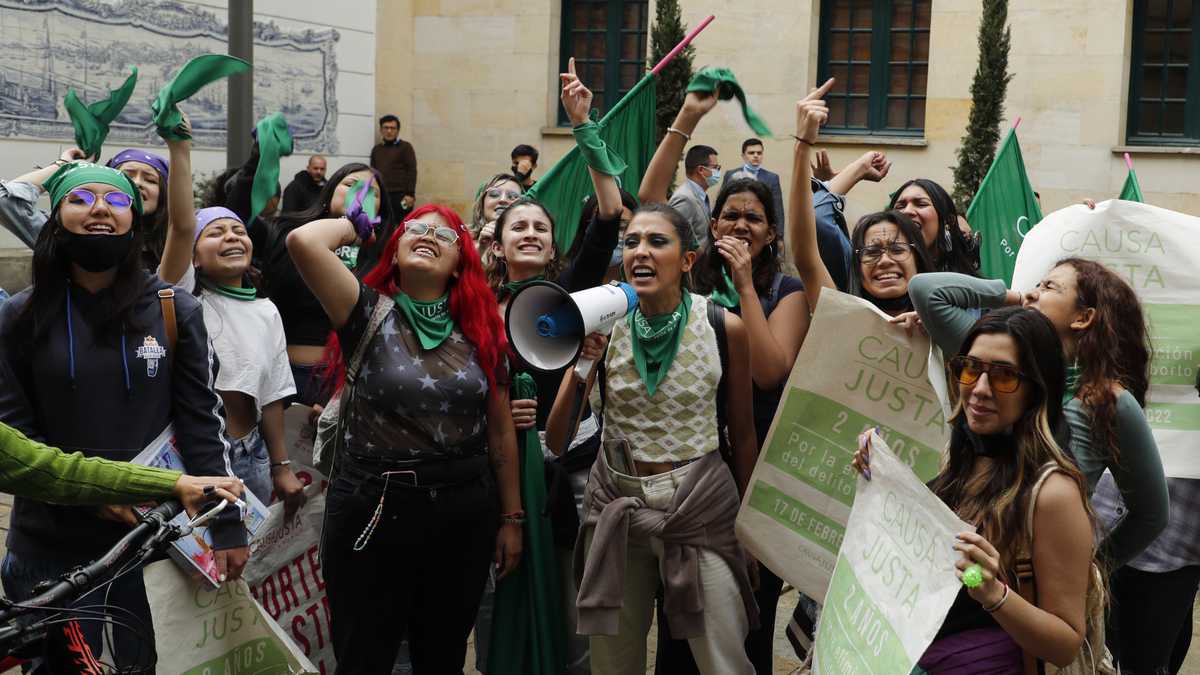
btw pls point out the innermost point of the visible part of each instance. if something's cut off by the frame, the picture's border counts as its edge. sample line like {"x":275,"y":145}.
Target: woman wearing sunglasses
{"x":1010,"y":377}
{"x":93,"y":360}
{"x":424,"y":494}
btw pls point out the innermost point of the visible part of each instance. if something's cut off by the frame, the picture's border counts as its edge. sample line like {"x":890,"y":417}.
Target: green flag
{"x":1131,"y":191}
{"x":628,"y":129}
{"x":1003,"y":210}
{"x":91,"y":122}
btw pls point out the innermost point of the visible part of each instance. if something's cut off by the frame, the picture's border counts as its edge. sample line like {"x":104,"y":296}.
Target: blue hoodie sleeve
{"x":196,"y":409}
{"x":833,"y":243}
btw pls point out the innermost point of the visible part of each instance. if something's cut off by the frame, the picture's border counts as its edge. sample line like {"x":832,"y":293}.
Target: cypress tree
{"x":988,"y":89}
{"x":671,"y":86}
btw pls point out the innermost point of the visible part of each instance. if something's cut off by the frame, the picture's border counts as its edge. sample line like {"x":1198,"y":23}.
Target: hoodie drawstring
{"x":71,"y":351}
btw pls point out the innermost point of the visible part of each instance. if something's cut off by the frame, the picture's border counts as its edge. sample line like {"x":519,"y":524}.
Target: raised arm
{"x":577,"y":101}
{"x":181,"y":212}
{"x":946,"y":301}
{"x":811,"y":113}
{"x":872,"y":166}
{"x":312,"y":249}
{"x":666,"y":158}
{"x":560,"y":424}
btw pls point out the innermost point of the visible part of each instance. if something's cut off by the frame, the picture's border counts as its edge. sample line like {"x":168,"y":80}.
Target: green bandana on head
{"x":721,"y":82}
{"x":656,"y":341}
{"x":73,"y":174}
{"x":513,"y":287}
{"x":724,"y":293}
{"x":429,"y":320}
{"x":274,"y":141}
{"x":91,"y":122}
{"x":194,"y":76}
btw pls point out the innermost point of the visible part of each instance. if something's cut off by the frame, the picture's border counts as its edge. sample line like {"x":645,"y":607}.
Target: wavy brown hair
{"x":496,"y":269}
{"x":1115,"y":349}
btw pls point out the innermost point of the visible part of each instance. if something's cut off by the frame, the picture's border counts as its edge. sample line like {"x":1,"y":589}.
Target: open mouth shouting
{"x":99,"y":227}
{"x":642,"y":272}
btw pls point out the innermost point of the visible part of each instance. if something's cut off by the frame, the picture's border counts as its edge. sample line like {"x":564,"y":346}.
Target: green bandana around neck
{"x":724,"y":293}
{"x":1071,"y":386}
{"x":194,"y":76}
{"x":429,"y":320}
{"x":722,"y":82}
{"x":91,"y":121}
{"x":513,"y":287}
{"x":243,"y":293}
{"x":274,"y":141}
{"x":73,"y":174}
{"x":656,"y":341}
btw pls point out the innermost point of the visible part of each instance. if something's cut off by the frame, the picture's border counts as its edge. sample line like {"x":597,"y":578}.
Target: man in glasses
{"x":396,"y":161}
{"x":703,"y":167}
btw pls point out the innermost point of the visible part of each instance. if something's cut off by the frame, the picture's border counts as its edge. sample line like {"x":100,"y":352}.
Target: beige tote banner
{"x":855,"y":371}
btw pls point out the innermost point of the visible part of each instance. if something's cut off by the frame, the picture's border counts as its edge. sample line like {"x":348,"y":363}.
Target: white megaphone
{"x":546,"y":325}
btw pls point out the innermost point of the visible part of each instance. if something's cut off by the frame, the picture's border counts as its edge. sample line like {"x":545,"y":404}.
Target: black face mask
{"x":95,"y":252}
{"x":523,"y":176}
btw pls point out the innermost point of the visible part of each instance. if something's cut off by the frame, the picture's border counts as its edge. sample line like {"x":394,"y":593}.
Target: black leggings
{"x":1150,"y":619}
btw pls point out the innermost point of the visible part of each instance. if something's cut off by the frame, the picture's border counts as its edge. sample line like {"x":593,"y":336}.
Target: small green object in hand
{"x":973,"y":576}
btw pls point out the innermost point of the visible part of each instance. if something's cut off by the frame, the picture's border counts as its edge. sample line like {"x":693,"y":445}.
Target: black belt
{"x":421,"y":474}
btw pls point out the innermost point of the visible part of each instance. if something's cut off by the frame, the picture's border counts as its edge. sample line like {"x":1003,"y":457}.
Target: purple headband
{"x":205,"y":216}
{"x":130,"y":155}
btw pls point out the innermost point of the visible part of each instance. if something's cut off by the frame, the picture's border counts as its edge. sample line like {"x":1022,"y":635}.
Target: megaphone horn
{"x":546,"y":325}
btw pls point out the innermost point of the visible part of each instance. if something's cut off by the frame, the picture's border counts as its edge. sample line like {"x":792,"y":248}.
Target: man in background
{"x":752,"y":157}
{"x":524,"y":163}
{"x":703,"y":168}
{"x":305,"y":188}
{"x":395,"y":160}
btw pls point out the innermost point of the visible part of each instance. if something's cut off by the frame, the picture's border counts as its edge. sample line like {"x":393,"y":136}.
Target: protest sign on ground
{"x":894,"y":581}
{"x":794,"y":514}
{"x":1155,"y":250}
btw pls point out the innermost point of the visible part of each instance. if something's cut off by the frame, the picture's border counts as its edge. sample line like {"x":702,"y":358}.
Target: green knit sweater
{"x":31,"y":469}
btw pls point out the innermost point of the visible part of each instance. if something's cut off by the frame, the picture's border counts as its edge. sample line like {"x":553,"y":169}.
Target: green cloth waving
{"x":656,"y":341}
{"x":528,"y":628}
{"x":193,"y":77}
{"x":725,"y":85}
{"x":429,"y":320}
{"x":91,"y":122}
{"x":596,"y":152}
{"x":725,"y":294}
{"x":274,"y":141}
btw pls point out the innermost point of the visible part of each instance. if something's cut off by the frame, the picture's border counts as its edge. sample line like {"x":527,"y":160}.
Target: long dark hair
{"x":51,"y":282}
{"x":765,"y":265}
{"x":958,"y":254}
{"x":320,"y":208}
{"x":858,"y":239}
{"x":997,"y":500}
{"x":1115,"y":349}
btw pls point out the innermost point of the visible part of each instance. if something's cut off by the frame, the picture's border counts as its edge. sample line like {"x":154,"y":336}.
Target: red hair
{"x":472,"y":303}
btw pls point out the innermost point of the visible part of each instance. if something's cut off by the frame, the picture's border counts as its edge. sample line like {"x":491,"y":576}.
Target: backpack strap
{"x":382,"y":307}
{"x":166,"y":300}
{"x":716,"y":319}
{"x":1024,"y":563}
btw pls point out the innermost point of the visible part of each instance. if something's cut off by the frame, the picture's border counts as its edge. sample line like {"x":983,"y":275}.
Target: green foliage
{"x":672,"y":83}
{"x":988,"y":90}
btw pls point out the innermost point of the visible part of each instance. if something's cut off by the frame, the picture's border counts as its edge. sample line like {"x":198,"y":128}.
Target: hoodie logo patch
{"x":152,"y":352}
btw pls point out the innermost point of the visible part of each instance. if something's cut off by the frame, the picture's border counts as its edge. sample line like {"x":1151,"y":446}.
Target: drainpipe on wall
{"x":240,"y":114}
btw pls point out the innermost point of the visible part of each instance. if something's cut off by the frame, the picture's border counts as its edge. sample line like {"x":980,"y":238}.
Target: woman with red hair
{"x":425,"y":493}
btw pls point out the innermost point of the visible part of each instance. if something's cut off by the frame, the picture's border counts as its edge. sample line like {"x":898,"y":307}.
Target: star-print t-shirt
{"x":409,"y":403}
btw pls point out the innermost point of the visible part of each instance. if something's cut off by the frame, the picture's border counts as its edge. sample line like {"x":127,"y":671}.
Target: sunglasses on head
{"x":444,"y":234}
{"x":1001,"y":376}
{"x":117,"y":200}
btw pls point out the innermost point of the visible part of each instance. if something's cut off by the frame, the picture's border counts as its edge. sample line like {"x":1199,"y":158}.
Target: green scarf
{"x":656,"y":341}
{"x":724,"y":293}
{"x":91,"y":122}
{"x":274,"y":141}
{"x":194,"y":75}
{"x":73,"y":174}
{"x":596,"y":152}
{"x":429,"y":320}
{"x":235,"y":292}
{"x":511,"y":288}
{"x":1071,"y":386}
{"x":722,"y":82}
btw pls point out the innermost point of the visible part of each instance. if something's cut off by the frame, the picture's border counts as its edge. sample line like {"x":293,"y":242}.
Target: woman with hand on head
{"x":427,"y":461}
{"x":1034,"y":545}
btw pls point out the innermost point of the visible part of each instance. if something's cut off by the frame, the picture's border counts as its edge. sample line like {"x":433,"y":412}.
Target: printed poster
{"x":894,"y":580}
{"x":855,"y":371}
{"x":1155,"y":250}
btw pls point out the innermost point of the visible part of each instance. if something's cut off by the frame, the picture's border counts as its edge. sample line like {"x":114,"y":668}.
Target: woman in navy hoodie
{"x":96,"y":356}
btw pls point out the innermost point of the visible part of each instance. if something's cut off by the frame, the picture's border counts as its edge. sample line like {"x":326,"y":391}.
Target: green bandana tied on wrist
{"x":73,"y":174}
{"x":194,"y":76}
{"x":1071,"y":387}
{"x":725,"y":294}
{"x":429,"y":320}
{"x":656,"y":341}
{"x":596,"y":152}
{"x":511,"y":288}
{"x":274,"y":141}
{"x":722,"y":82}
{"x":236,"y":292}
{"x":91,"y":122}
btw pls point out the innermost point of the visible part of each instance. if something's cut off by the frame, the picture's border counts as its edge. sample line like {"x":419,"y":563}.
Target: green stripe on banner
{"x":813,"y":526}
{"x":815,"y":440}
{"x":254,"y":656}
{"x":1175,"y":336}
{"x":857,"y":635}
{"x":1173,"y":416}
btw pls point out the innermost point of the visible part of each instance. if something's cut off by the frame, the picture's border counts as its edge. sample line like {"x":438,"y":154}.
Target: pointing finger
{"x":571,"y":66}
{"x":820,"y":91}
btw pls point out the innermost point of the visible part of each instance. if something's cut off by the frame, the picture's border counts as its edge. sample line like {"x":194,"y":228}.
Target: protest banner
{"x":201,"y":630}
{"x":1155,"y":250}
{"x":894,"y":581}
{"x":284,"y":574}
{"x":794,"y":514}
{"x":299,"y":432}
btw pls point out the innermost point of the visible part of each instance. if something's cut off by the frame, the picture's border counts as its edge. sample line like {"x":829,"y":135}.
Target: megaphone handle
{"x":583,"y":369}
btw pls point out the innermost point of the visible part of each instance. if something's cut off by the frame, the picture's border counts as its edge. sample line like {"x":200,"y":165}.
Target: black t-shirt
{"x":304,"y":319}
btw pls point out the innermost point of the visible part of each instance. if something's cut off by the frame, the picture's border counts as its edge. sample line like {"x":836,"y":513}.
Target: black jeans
{"x":1149,"y":623}
{"x":421,"y":572}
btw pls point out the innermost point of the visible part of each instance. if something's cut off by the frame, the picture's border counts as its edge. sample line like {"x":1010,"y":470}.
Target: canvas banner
{"x":894,"y":580}
{"x":299,"y":433}
{"x":855,"y":371}
{"x":1155,"y":250}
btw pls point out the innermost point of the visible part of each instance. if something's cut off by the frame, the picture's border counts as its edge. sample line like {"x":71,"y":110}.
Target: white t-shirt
{"x":249,"y":341}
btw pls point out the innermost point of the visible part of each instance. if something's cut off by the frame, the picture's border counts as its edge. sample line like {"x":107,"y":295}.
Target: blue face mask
{"x":714,"y":176}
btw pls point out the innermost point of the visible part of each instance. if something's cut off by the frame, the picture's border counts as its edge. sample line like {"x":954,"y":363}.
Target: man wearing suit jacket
{"x":703,"y":169}
{"x":752,"y":155}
